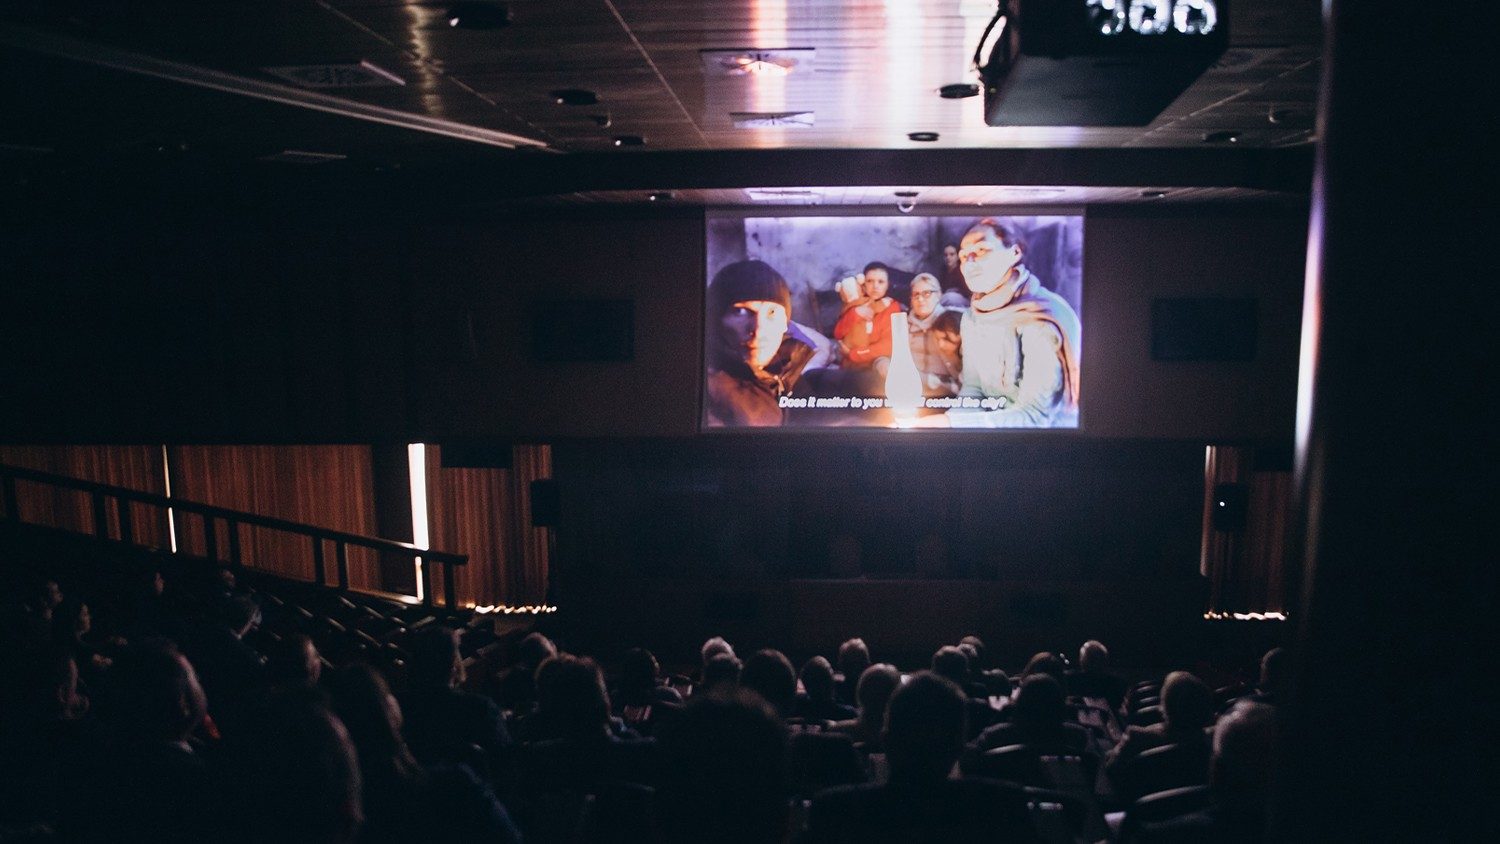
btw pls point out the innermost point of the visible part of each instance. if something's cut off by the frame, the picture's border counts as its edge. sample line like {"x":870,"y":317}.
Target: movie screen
{"x":893,"y":322}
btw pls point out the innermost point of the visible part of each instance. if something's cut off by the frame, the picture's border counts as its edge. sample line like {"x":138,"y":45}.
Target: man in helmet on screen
{"x":1020,"y":340}
{"x":755,"y":353}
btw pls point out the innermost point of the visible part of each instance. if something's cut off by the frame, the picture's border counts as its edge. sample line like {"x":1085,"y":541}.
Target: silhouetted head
{"x":1244,"y":763}
{"x":925,"y":726}
{"x":372,"y":716}
{"x":979,"y":651}
{"x":876,"y":685}
{"x":769,"y":674}
{"x":853,"y":658}
{"x":157,"y":695}
{"x":534,"y":650}
{"x":1275,"y":667}
{"x":297,"y":773}
{"x":1187,"y":703}
{"x":241,"y":613}
{"x":294,"y":662}
{"x":721,"y":672}
{"x":1040,"y":702}
{"x":1093,"y":657}
{"x":713,"y":647}
{"x":1043,"y":662}
{"x":951,"y":663}
{"x":817,"y":680}
{"x":639,"y":671}
{"x":435,"y":658}
{"x":724,"y":771}
{"x":574,"y":696}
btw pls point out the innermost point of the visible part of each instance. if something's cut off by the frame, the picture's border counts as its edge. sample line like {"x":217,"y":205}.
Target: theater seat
{"x":1162,"y":806}
{"x":1164,"y":768}
{"x":823,"y":760}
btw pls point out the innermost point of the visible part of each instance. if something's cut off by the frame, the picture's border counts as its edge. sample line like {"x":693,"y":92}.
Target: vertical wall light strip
{"x":166,"y":477}
{"x":416,"y":460}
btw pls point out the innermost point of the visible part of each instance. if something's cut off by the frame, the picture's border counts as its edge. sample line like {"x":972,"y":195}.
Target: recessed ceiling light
{"x":752,"y":62}
{"x":1153,"y":194}
{"x":958,"y":91}
{"x":478,"y":15}
{"x":906,"y":194}
{"x":1228,"y":136}
{"x":785,"y":196}
{"x":629,"y":141}
{"x":574,"y":96}
{"x":771,"y":119}
{"x":661,"y":196}
{"x":922,"y":137}
{"x":601,"y":120}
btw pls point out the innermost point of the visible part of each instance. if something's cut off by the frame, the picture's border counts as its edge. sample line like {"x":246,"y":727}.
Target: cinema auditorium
{"x":762,"y":421}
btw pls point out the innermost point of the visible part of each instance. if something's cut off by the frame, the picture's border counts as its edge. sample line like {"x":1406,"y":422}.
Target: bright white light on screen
{"x":416,"y":458}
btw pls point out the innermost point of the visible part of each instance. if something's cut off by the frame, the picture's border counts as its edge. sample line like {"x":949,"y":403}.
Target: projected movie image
{"x":893,"y":322}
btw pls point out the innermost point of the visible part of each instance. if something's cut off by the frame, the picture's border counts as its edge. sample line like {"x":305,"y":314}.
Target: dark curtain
{"x":1246,"y":568}
{"x":486,"y":514}
{"x":329,"y":486}
{"x":137,"y":467}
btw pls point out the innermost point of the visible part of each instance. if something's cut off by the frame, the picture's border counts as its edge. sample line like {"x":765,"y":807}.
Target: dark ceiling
{"x":90,"y":81}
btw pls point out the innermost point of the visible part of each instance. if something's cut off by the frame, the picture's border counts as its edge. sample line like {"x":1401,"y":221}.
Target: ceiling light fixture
{"x":629,"y":141}
{"x":958,"y":91}
{"x":906,"y":201}
{"x":474,"y":14}
{"x":1228,"y":136}
{"x":573,"y":96}
{"x":922,"y":137}
{"x":661,"y":196}
{"x":774,"y":63}
{"x":1153,"y":194}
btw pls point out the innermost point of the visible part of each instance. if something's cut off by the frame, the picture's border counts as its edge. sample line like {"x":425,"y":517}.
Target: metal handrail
{"x":100,"y":493}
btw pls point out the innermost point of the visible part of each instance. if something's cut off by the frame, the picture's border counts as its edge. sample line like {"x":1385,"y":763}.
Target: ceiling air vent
{"x":362,"y":75}
{"x":784,"y":196}
{"x":772,"y":119}
{"x":297,"y":156}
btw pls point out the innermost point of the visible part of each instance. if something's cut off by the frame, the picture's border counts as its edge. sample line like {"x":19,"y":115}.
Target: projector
{"x":1097,"y":62}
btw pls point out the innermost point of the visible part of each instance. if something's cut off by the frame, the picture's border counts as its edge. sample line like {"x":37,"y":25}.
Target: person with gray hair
{"x":1093,"y":679}
{"x":1241,"y":776}
{"x":933,"y":332}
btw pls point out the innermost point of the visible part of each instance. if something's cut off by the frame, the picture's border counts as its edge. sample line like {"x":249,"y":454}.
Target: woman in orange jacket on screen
{"x":864,"y":328}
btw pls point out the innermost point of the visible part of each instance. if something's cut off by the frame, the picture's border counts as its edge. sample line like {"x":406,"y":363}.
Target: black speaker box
{"x":545,"y":505}
{"x":1231,"y":504}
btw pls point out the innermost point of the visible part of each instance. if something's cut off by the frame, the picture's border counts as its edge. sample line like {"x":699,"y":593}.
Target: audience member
{"x":925,"y":730}
{"x":151,"y":781}
{"x":876,"y":685}
{"x":1241,"y":776}
{"x":724,"y":772}
{"x":571,"y":741}
{"x":232,"y":672}
{"x":817,"y":703}
{"x":952,"y":663}
{"x":1187,"y":711}
{"x":404,"y":801}
{"x":294,"y":663}
{"x":1092,"y":678}
{"x":721,"y":673}
{"x":1275,"y":671}
{"x":443,"y":722}
{"x":853,"y":658}
{"x":1038,"y":719}
{"x":292,"y":776}
{"x":517,"y":687}
{"x":640,"y":699}
{"x":769,"y":674}
{"x":1044,"y":662}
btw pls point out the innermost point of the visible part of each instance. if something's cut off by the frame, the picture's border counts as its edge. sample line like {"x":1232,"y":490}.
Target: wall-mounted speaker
{"x":546,"y":507}
{"x":1230,"y":506}
{"x":1203,"y":329}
